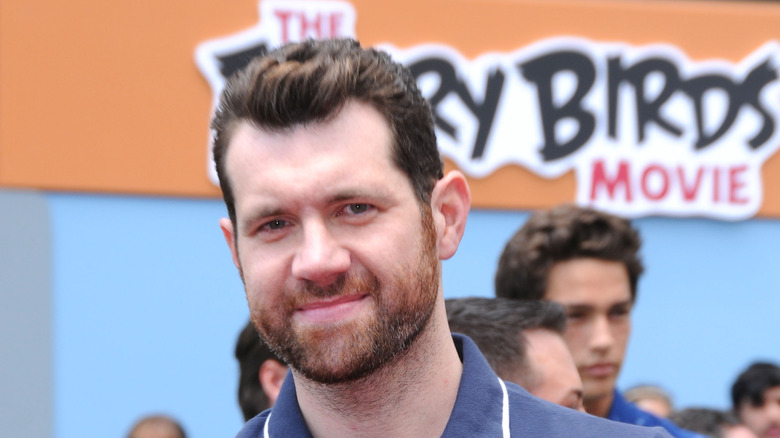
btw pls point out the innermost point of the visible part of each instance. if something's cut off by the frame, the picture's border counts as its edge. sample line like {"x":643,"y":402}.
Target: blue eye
{"x":276,"y":224}
{"x":358,"y":208}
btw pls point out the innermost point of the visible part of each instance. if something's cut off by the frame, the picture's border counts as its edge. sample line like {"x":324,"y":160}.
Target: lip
{"x":603,"y":369}
{"x":331,"y":309}
{"x":773,"y":431}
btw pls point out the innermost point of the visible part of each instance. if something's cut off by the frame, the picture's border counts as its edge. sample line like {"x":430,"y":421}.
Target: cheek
{"x":621,"y":332}
{"x":576,"y":339}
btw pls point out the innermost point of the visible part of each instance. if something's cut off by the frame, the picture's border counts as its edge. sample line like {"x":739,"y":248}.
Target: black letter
{"x":484,"y":112}
{"x":646,"y":111}
{"x":540,"y":71}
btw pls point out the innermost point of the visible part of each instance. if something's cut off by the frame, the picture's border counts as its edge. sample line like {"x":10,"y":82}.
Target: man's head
{"x":309,"y":82}
{"x":651,"y":398}
{"x":588,"y":261}
{"x":711,"y":422}
{"x":339,"y":213}
{"x":522,"y":341}
{"x":261,"y":372}
{"x":755,"y":397}
{"x":157,"y":426}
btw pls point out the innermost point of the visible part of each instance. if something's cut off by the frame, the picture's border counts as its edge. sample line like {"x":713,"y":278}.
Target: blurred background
{"x":118,"y":294}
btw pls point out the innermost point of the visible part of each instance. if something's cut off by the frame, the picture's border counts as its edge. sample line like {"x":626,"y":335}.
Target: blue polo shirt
{"x":485,"y":407}
{"x":626,"y":412}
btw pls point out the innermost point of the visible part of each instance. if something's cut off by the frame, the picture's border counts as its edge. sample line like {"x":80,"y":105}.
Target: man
{"x":652,"y":399}
{"x":523,"y":342}
{"x":588,"y":261}
{"x":755,"y":397}
{"x":157,"y":426}
{"x":711,"y":422}
{"x":339,"y":217}
{"x":261,"y":373}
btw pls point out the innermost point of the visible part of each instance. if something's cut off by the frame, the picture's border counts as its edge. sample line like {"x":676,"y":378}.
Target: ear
{"x":450,"y":204}
{"x":230,"y":237}
{"x":271,"y":375}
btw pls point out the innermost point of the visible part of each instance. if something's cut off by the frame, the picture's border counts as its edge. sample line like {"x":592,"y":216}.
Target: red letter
{"x":716,"y":185}
{"x":735,"y":184}
{"x":335,"y":24}
{"x":646,"y":174}
{"x":600,"y":178}
{"x":284,"y":17}
{"x":689,"y":193}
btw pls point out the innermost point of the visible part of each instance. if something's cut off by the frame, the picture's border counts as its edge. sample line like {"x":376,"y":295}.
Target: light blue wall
{"x":147,"y":306}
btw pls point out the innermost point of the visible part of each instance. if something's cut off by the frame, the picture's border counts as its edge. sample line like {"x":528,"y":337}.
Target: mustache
{"x":344,"y":284}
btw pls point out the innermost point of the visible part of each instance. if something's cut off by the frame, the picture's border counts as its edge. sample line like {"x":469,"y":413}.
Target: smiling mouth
{"x":332,"y":309}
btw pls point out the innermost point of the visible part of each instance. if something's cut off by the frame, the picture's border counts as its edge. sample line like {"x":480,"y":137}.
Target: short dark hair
{"x":496,"y":326}
{"x":753,"y":382}
{"x":251,"y":352}
{"x":707,"y":421}
{"x":564,"y":233}
{"x":310,"y":82}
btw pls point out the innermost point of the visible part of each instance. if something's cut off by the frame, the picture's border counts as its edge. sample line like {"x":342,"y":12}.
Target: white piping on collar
{"x":504,"y":411}
{"x":265,"y":427}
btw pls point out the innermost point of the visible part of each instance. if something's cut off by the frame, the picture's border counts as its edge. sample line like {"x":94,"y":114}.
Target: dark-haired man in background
{"x":588,"y":261}
{"x":261,"y":373}
{"x":755,"y":396}
{"x":523,"y":342}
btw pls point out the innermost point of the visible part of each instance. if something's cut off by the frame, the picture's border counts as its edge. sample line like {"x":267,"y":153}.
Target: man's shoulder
{"x":532,"y":416}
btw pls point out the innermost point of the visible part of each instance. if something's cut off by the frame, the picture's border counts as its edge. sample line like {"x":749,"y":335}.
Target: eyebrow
{"x":580,"y":306}
{"x":346,"y":195}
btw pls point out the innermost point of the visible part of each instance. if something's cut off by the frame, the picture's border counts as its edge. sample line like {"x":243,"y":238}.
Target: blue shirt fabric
{"x":626,"y":412}
{"x":478,"y":411}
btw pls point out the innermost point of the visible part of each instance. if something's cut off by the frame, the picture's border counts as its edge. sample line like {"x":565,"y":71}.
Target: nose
{"x":601,"y":338}
{"x":320,"y":258}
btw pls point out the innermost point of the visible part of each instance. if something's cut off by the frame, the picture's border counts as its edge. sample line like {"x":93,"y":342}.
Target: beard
{"x":349,"y":350}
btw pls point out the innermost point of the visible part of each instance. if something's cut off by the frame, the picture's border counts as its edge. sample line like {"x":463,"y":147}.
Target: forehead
{"x":588,"y":281}
{"x":355,"y":124}
{"x":352,"y":148}
{"x":549,"y":349}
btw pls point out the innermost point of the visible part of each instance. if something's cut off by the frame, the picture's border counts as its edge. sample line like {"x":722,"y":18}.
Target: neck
{"x":390,"y":402}
{"x":599,"y":406}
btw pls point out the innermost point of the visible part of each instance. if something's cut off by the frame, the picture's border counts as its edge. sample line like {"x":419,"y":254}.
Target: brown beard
{"x":351,"y":350}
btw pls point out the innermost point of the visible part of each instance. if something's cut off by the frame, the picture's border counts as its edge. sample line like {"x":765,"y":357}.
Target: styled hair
{"x":496,"y":325}
{"x":751,"y":384}
{"x":561,"y":234}
{"x":706,"y":421}
{"x":309,"y":82}
{"x":251,"y":352}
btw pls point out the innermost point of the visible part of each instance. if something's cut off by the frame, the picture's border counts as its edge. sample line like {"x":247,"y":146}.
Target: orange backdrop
{"x":106,"y":96}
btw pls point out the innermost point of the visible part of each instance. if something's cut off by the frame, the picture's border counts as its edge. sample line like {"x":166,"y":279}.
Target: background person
{"x":589,"y":262}
{"x":261,"y":373}
{"x":651,"y":398}
{"x":711,"y":422}
{"x":755,"y":397}
{"x":523,"y":342}
{"x":157,"y":426}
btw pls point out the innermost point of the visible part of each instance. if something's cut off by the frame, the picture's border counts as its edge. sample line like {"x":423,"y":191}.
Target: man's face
{"x":554,"y":373}
{"x":763,"y":419}
{"x":597,"y":297}
{"x":339,"y":264}
{"x":738,"y":431}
